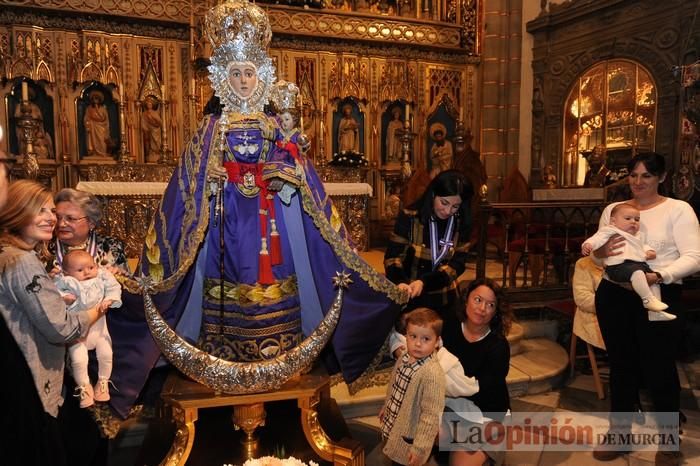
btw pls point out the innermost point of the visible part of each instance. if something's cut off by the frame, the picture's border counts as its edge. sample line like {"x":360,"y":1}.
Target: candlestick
{"x":301,"y":112}
{"x":25,"y":91}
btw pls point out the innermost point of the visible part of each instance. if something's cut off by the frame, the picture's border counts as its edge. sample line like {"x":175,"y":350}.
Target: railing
{"x":531,"y":248}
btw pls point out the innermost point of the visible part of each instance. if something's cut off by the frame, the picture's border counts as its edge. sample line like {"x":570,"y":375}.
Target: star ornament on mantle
{"x":342,"y":280}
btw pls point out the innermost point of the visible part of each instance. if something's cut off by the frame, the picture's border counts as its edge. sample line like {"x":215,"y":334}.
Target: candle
{"x":323,"y":101}
{"x":25,"y":91}
{"x":408,"y":111}
{"x":461,"y":114}
{"x":162,"y":91}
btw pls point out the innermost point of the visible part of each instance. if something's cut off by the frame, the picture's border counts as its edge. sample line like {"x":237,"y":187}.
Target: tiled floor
{"x":578,"y":397}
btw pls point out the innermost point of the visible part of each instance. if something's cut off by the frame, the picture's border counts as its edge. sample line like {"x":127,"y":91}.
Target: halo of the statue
{"x":236,"y":377}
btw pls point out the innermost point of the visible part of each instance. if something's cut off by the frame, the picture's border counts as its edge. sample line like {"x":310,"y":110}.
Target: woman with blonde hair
{"x":34,"y":330}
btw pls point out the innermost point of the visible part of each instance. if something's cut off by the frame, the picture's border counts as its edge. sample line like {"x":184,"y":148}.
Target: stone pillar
{"x":500,"y":90}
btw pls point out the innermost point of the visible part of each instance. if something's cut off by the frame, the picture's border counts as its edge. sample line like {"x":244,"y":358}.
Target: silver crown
{"x":239,"y":24}
{"x":284,"y":96}
{"x":239,"y":32}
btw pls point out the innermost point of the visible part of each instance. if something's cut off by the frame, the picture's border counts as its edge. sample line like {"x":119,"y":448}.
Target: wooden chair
{"x":591,"y":358}
{"x":568,"y":308}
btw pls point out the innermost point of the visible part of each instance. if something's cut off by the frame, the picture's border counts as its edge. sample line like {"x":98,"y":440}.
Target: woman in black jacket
{"x":428,"y":249}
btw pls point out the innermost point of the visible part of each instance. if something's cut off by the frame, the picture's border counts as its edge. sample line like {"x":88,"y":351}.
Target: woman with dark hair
{"x":635,"y":343}
{"x":476,"y":335}
{"x":35,"y":328}
{"x":475,"y":358}
{"x":428,"y":249}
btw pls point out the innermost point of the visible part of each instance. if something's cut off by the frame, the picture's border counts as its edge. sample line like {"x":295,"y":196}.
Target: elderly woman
{"x":78,"y":215}
{"x":34,"y":330}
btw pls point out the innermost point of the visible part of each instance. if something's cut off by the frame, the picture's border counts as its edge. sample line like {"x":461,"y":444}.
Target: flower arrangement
{"x":349,"y":159}
{"x":272,"y":461}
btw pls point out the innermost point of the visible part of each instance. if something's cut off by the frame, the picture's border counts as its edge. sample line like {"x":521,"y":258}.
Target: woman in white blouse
{"x":640,"y":349}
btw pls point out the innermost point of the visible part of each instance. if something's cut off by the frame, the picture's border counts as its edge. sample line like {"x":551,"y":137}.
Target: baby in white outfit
{"x":86,"y":285}
{"x":630,"y":266}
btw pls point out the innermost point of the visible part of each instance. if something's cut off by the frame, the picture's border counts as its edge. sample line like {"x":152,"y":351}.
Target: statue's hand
{"x":275,"y":185}
{"x":217,"y":173}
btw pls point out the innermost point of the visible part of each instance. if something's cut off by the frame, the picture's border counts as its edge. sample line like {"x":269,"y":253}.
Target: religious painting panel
{"x":441,"y":130}
{"x":38,"y":113}
{"x":349,"y":131}
{"x":152,"y":56}
{"x":98,"y":123}
{"x":392,"y":121}
{"x":305,"y":72}
{"x":151,"y":112}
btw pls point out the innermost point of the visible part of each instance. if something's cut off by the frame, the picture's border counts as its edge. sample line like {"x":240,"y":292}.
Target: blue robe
{"x":257,"y":321}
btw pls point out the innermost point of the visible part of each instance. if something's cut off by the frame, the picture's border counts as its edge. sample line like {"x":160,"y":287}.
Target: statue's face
{"x":287,"y":121}
{"x":243,"y":78}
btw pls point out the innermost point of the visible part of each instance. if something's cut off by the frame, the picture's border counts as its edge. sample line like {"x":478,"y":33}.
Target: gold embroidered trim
{"x":195,"y":239}
{"x":398,"y":239}
{"x":250,"y":350}
{"x":239,"y":315}
{"x":348,"y":257}
{"x":243,"y":294}
{"x":369,"y":377}
{"x":253,"y":332}
{"x":283,"y":174}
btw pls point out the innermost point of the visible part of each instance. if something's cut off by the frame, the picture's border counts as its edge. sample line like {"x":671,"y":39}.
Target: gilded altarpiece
{"x":422,"y":62}
{"x":92,"y":78}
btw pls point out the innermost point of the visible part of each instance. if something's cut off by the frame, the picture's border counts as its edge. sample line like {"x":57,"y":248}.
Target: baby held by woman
{"x":84,"y":285}
{"x":630,"y":266}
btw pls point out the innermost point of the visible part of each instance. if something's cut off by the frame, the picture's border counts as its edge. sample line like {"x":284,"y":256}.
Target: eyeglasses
{"x":70,"y":220}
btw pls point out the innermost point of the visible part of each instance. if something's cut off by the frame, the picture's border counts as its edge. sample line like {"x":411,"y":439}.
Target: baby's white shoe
{"x":102,"y":390}
{"x":86,"y":395}
{"x":660,"y":316}
{"x":652,"y":303}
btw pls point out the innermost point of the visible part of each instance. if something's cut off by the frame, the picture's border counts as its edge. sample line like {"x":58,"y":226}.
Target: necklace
{"x":90,"y":245}
{"x":472,"y":336}
{"x":440,"y":247}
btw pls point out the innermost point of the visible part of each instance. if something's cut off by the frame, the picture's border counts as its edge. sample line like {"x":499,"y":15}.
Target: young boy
{"x":84,"y":284}
{"x":410,"y":418}
{"x":630,"y":266}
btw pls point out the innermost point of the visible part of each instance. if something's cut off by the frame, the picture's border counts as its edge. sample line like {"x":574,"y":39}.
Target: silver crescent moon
{"x":237,"y":377}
